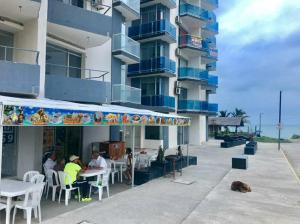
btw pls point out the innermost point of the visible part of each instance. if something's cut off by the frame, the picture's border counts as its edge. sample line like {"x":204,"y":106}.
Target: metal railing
{"x":19,"y":55}
{"x":94,"y":5}
{"x":193,"y":73}
{"x":75,"y":72}
{"x":126,"y":94}
{"x":193,"y":10}
{"x":146,"y":30}
{"x":188,"y":40}
{"x":133,"y":4}
{"x":162,"y":64}
{"x":125,"y":43}
{"x":159,"y":101}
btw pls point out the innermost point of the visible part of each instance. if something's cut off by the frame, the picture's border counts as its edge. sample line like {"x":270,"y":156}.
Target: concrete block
{"x":240,"y":162}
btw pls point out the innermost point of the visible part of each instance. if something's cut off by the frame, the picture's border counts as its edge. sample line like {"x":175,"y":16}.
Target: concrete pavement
{"x":275,"y":197}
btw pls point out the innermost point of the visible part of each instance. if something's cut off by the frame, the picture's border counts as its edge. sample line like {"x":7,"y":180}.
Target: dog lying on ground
{"x":240,"y":186}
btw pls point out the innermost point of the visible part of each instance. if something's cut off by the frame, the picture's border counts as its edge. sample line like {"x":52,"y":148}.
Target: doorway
{"x":9,"y":153}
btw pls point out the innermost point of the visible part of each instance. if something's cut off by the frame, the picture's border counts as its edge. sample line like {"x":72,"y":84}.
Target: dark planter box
{"x":240,"y":162}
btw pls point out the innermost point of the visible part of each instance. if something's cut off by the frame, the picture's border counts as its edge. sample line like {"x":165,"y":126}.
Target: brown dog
{"x":240,"y":186}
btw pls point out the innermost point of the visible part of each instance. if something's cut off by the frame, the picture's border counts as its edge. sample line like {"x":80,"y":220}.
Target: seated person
{"x":127,"y":173}
{"x":73,"y":168}
{"x":97,"y":162}
{"x":60,"y":165}
{"x":50,"y":162}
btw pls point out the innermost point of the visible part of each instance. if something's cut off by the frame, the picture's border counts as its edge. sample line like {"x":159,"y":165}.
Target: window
{"x":153,"y":133}
{"x":155,"y":49}
{"x":154,"y":13}
{"x":61,"y":61}
{"x":183,"y":94}
{"x":6,"y":39}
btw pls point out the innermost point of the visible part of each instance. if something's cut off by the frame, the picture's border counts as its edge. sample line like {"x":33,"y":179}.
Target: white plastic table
{"x":10,"y":189}
{"x":92,"y":173}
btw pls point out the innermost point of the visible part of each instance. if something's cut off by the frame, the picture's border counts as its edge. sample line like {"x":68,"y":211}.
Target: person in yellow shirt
{"x":73,"y":169}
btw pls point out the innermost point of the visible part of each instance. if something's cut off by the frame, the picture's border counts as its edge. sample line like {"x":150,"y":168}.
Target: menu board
{"x":34,"y":116}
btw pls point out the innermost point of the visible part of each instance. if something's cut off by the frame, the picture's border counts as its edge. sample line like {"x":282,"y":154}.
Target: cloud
{"x":249,"y":20}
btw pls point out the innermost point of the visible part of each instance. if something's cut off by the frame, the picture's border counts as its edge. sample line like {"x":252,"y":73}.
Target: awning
{"x":46,"y":112}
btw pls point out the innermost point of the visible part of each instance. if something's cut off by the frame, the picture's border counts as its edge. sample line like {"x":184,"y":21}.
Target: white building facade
{"x":148,"y":54}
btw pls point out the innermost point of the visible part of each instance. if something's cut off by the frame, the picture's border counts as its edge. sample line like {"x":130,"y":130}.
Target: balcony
{"x":130,"y":9}
{"x":211,"y":66}
{"x":126,"y":49}
{"x":124,"y":94}
{"x":157,"y":66}
{"x":191,"y":46}
{"x":193,"y":74}
{"x":210,"y":4}
{"x":211,"y":42}
{"x":20,"y":72}
{"x":212,"y":56}
{"x":212,"y":84}
{"x":159,"y":102}
{"x":192,"y":17}
{"x":77,"y":84}
{"x":85,"y":27}
{"x":210,"y":30}
{"x":171,"y":4}
{"x":156,"y":30}
{"x":196,"y":106}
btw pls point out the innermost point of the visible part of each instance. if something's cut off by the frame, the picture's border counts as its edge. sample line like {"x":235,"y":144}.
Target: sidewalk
{"x":275,"y":197}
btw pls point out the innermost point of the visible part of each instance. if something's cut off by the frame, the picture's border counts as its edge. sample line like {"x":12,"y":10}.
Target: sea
{"x":287,"y":131}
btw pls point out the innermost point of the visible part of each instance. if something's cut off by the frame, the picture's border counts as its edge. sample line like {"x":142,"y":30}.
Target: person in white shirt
{"x":50,"y":162}
{"x":97,"y":161}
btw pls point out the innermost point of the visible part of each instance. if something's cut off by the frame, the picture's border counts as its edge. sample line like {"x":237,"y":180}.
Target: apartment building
{"x":147,"y":54}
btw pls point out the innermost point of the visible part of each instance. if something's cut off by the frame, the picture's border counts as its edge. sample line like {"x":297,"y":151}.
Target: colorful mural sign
{"x":33,"y":116}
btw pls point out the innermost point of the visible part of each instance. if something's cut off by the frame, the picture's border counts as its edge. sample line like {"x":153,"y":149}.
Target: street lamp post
{"x":260,"y":114}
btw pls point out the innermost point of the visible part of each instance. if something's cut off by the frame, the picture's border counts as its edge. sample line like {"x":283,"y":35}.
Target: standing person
{"x":50,"y":162}
{"x":127,"y":173}
{"x":73,"y":168}
{"x":97,"y":161}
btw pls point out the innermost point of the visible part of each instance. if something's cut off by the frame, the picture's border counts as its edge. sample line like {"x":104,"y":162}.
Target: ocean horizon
{"x":287,"y":131}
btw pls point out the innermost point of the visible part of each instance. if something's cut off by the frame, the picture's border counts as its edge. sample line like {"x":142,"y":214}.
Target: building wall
{"x":90,"y":135}
{"x":30,"y":149}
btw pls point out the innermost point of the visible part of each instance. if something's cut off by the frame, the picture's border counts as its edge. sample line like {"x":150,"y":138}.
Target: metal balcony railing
{"x":154,"y":28}
{"x":213,"y":108}
{"x":90,"y":5}
{"x":193,"y":73}
{"x":152,"y":65}
{"x":159,"y":101}
{"x":126,"y":44}
{"x":75,"y":72}
{"x":126,"y":94}
{"x":188,"y":40}
{"x":193,"y":10}
{"x":133,"y":4}
{"x":19,"y":55}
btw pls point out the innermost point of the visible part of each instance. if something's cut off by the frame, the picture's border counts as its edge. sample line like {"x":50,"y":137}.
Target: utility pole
{"x":279,"y":123}
{"x":260,"y":123}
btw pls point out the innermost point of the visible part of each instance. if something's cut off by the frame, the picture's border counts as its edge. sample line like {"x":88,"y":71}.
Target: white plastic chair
{"x":66,"y":187}
{"x":37,"y":179}
{"x":113,"y":170}
{"x":31,"y":202}
{"x":52,"y":181}
{"x":101,"y":183}
{"x":28,"y":175}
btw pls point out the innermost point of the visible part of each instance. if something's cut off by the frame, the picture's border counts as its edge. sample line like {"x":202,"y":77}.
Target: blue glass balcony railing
{"x":197,"y":106}
{"x":188,"y":40}
{"x":210,"y":41}
{"x":214,"y":27}
{"x":192,"y":10}
{"x":159,"y":101}
{"x":155,"y":28}
{"x":154,"y":65}
{"x":213,"y":80}
{"x":213,"y":108}
{"x":193,"y":73}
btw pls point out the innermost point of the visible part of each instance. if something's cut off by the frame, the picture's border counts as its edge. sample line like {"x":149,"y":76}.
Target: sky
{"x":259,"y":55}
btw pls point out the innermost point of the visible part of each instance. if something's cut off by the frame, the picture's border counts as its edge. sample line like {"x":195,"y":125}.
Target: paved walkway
{"x":275,"y":197}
